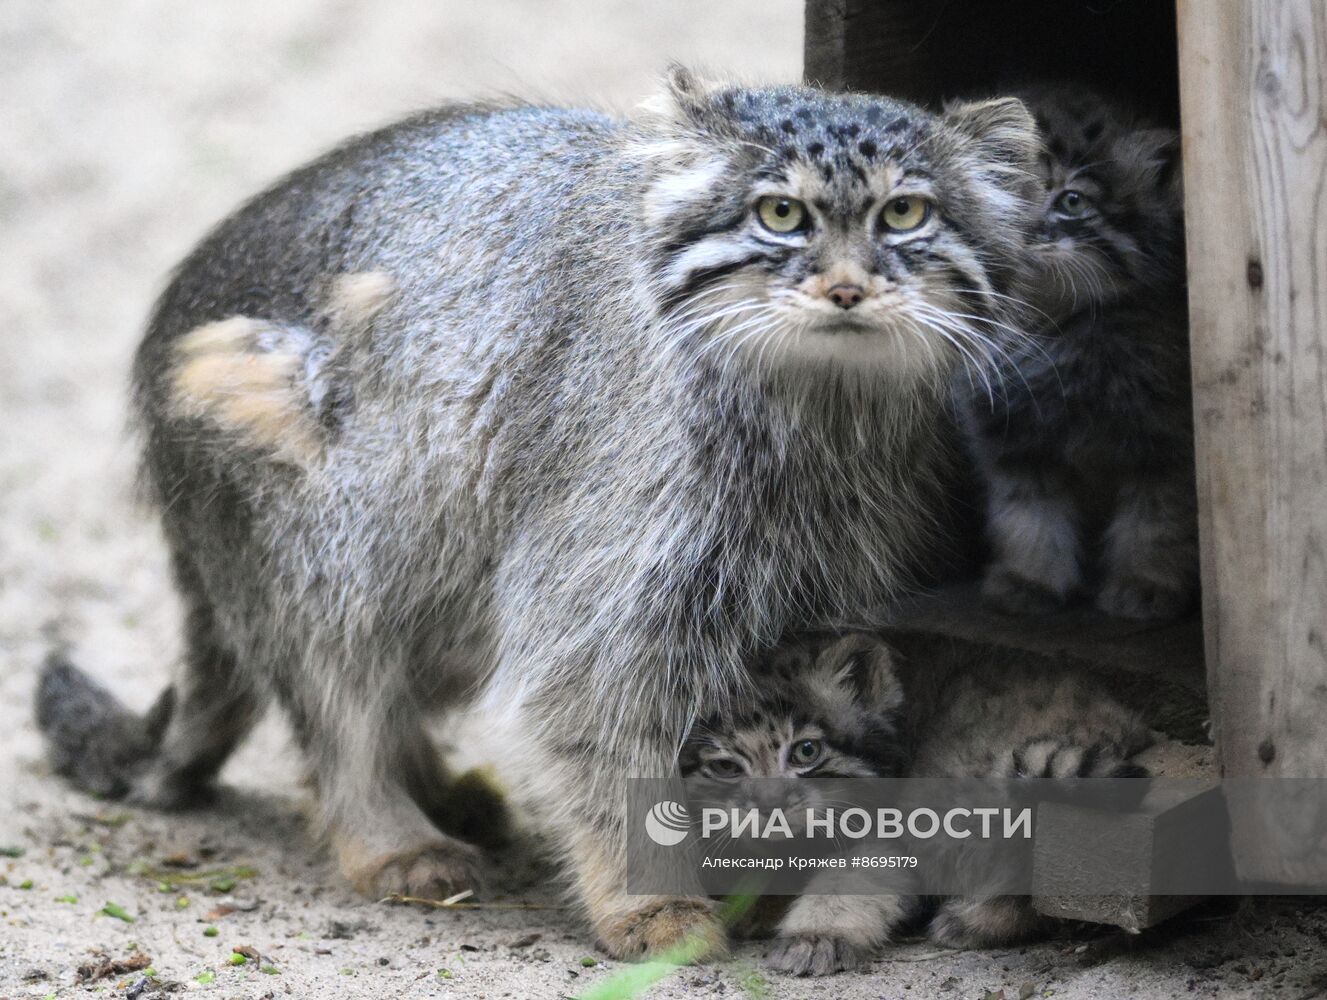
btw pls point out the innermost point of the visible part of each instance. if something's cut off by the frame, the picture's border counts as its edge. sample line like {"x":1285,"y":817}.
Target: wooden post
{"x":1253,"y":87}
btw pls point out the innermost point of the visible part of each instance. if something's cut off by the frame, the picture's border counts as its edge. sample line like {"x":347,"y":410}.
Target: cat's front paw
{"x":1008,"y":592}
{"x":815,"y":955}
{"x":1142,"y":600}
{"x":686,"y":929}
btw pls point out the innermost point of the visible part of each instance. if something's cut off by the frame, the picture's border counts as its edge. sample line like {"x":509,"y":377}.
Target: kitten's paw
{"x":432,"y":871}
{"x":686,"y":927}
{"x":984,"y":923}
{"x":1062,"y":758}
{"x":1008,"y":592}
{"x":815,"y":955}
{"x":1143,"y":600}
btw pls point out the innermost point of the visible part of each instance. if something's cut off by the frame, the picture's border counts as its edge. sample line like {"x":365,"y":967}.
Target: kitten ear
{"x":1155,"y":155}
{"x":790,"y":660}
{"x":863,"y":664}
{"x":1001,"y":130}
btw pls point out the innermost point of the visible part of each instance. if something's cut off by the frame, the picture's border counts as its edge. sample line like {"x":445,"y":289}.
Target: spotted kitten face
{"x":790,"y":225}
{"x":825,"y":709}
{"x":1111,"y":210}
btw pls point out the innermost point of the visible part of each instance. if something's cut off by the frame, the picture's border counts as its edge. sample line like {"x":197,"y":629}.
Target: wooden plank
{"x":1254,"y":101}
{"x":1170,"y":649}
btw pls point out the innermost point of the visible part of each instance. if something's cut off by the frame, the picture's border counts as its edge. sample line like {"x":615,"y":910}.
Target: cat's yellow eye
{"x":781,"y":215}
{"x":804,"y":753}
{"x":905,"y":213}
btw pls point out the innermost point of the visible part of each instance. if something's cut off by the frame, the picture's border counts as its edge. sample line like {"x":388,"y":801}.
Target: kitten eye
{"x":1071,"y":203}
{"x":905,"y":213}
{"x":806,"y":752}
{"x":723,"y":768}
{"x":781,"y":215}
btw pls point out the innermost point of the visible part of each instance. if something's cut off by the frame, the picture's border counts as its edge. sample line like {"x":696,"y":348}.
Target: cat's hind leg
{"x":366,"y":746}
{"x":989,"y":922}
{"x":683,"y":927}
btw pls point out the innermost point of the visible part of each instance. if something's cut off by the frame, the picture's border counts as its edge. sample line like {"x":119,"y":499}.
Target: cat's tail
{"x":90,"y":736}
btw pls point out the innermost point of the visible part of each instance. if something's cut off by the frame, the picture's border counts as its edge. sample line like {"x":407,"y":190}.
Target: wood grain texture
{"x":1254,"y":102}
{"x":875,"y":45}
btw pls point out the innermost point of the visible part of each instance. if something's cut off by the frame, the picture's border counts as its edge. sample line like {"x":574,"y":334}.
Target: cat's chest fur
{"x":814,"y":513}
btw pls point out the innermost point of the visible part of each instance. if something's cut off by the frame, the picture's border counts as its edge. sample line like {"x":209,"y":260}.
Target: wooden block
{"x":1127,"y":869}
{"x":1129,"y":913}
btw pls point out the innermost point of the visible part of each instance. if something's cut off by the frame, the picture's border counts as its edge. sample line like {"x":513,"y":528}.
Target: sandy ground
{"x":128,"y":127}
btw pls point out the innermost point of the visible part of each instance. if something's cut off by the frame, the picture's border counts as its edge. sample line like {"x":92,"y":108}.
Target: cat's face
{"x":821,"y":709}
{"x":1110,"y":215}
{"x":793,"y":226}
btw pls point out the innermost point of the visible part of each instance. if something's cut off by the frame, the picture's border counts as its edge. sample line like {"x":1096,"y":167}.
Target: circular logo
{"x":667,"y":823}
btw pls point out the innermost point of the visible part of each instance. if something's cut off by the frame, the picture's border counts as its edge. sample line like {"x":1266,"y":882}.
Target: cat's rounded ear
{"x":789,"y":660}
{"x":1000,"y":130}
{"x":1154,"y":155}
{"x":864,"y":665}
{"x":685,"y":98}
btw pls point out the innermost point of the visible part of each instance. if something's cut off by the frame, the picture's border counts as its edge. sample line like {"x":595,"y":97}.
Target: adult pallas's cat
{"x":645,"y":394}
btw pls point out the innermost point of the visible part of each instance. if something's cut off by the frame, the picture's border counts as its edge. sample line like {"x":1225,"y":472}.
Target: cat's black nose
{"x":846,"y":296}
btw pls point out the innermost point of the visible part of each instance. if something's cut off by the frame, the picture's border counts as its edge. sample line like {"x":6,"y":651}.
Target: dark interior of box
{"x":928,"y":50}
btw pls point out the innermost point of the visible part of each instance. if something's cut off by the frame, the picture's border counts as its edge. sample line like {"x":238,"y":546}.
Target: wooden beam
{"x":1253,"y":79}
